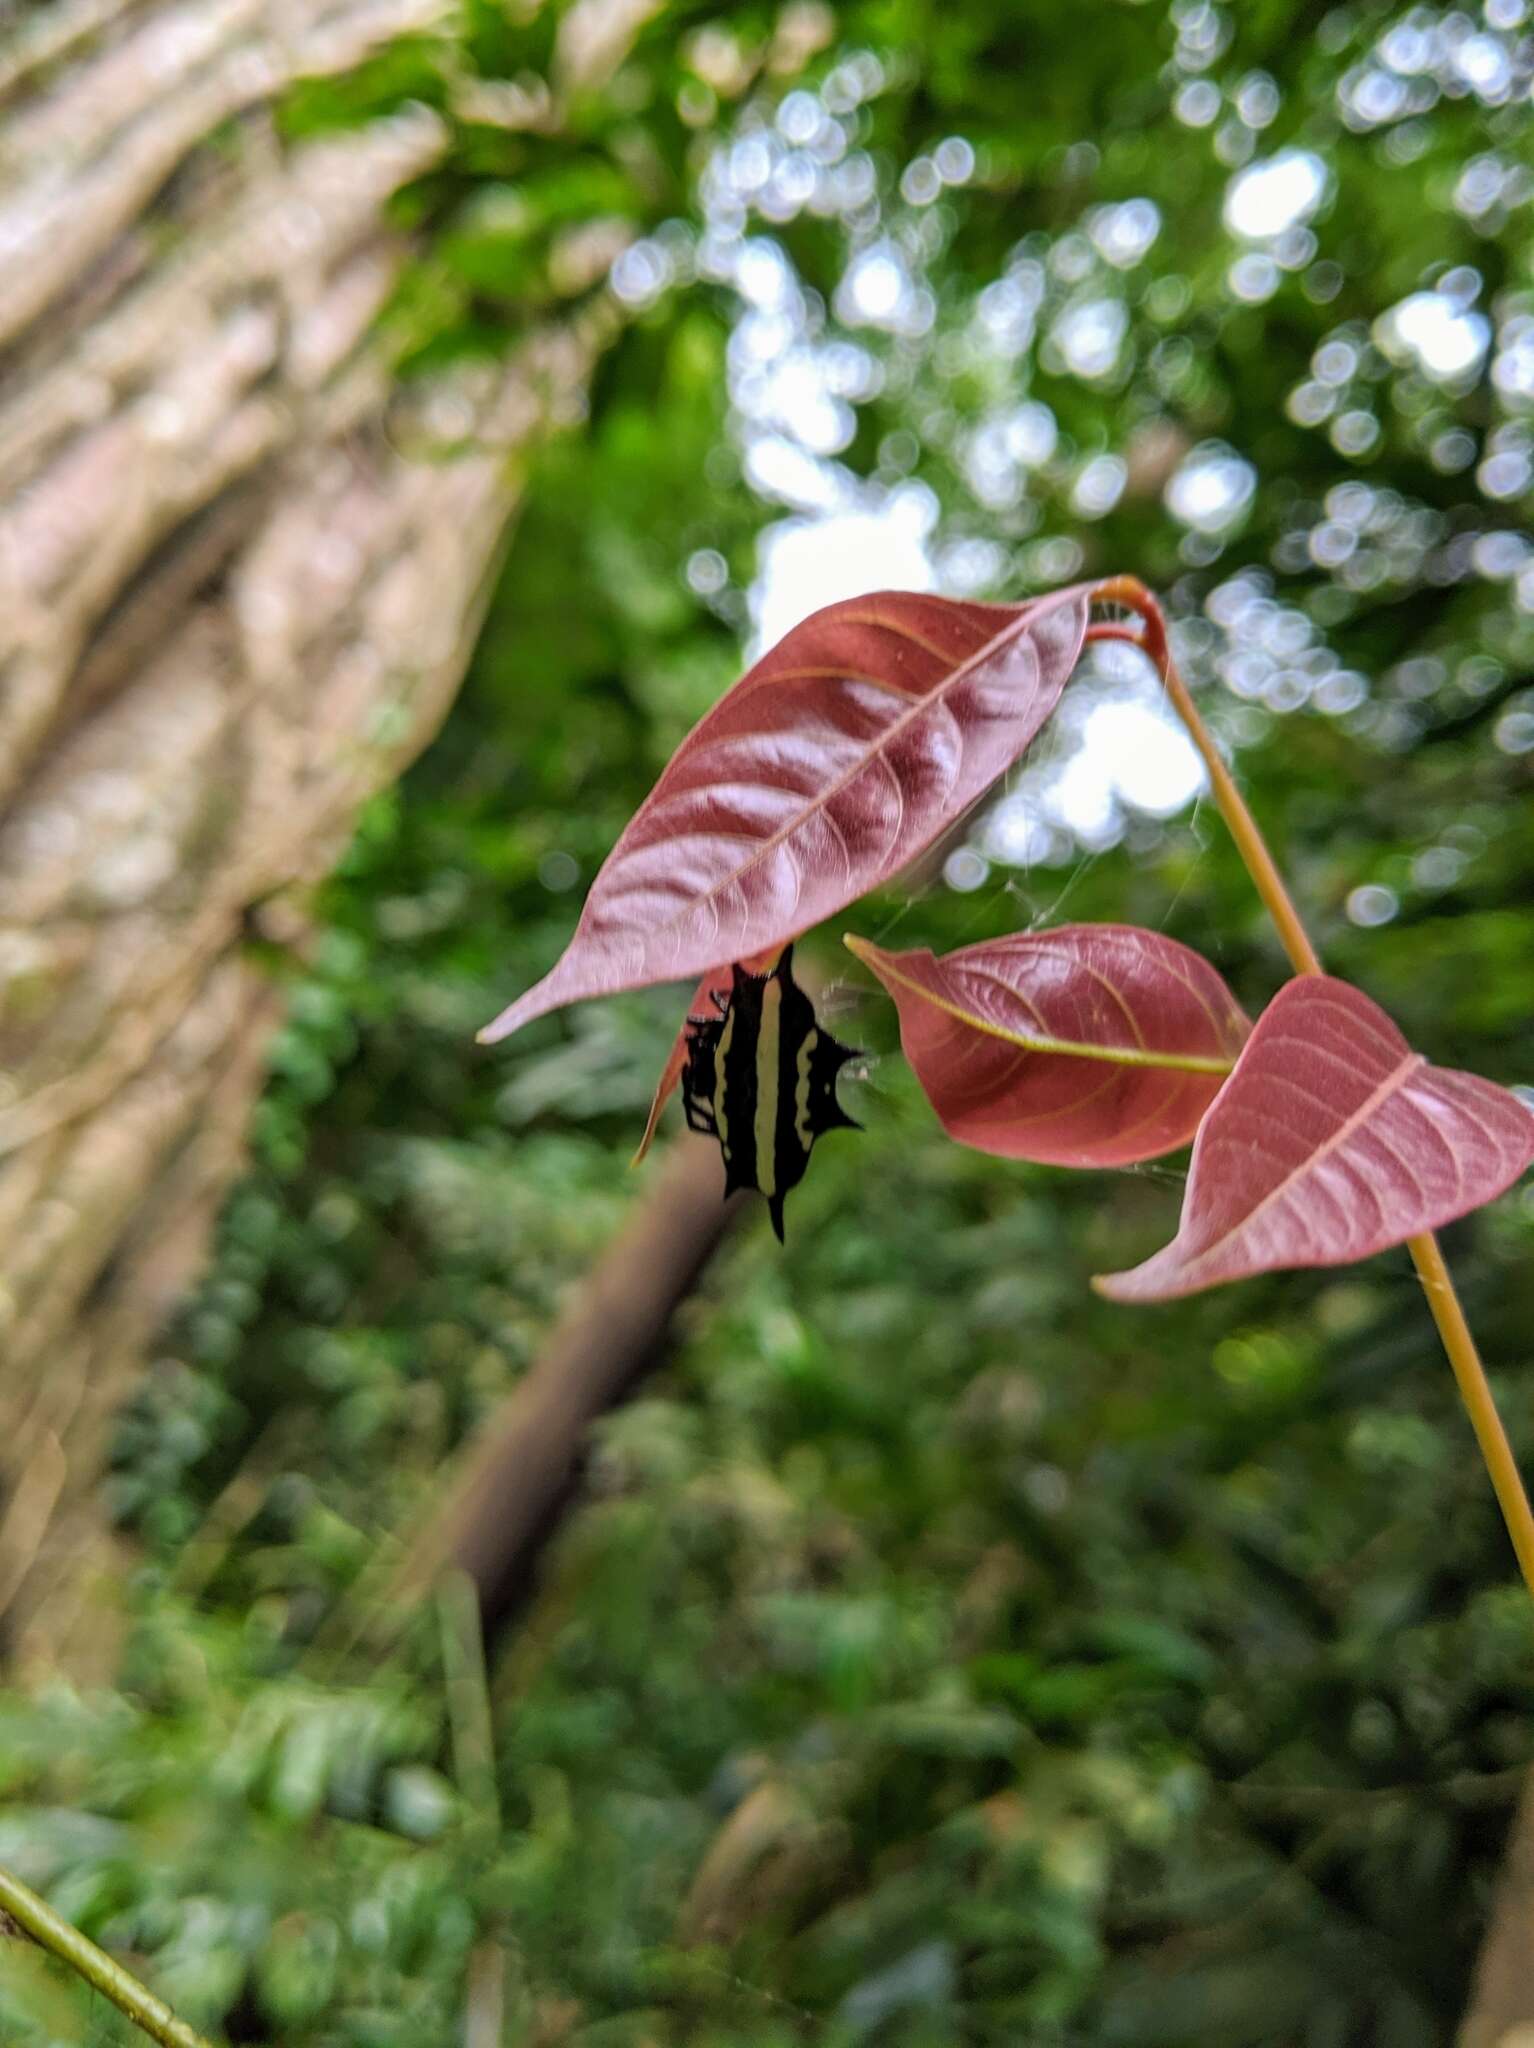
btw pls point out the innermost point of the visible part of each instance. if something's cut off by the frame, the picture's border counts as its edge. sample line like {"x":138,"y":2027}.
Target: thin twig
{"x":1250,"y":844}
{"x":38,"y":1919}
{"x":467,"y":1687}
{"x":1469,"y":1373}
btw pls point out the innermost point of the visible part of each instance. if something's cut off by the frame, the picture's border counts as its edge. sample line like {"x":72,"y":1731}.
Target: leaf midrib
{"x":1398,"y":1078}
{"x":1108,"y":1055}
{"x":891,"y":732}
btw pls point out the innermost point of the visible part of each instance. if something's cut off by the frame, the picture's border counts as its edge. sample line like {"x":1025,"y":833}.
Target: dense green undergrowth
{"x":935,"y":1654}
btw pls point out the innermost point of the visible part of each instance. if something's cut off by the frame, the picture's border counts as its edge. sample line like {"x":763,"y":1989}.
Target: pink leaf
{"x":848,"y":748}
{"x":1330,"y":1141}
{"x":1091,"y":1045}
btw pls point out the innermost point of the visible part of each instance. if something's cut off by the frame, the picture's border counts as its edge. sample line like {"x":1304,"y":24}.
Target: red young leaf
{"x":1090,"y":1045}
{"x":1330,"y":1141}
{"x":717,"y":982}
{"x":848,"y":748}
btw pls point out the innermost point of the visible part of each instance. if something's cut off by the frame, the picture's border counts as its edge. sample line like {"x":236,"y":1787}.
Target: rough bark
{"x":1501,"y":2011}
{"x":235,"y":598}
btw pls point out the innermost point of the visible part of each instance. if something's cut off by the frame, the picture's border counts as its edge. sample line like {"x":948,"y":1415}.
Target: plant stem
{"x":98,"y":1969}
{"x":1444,"y":1303}
{"x":1476,"y":1395}
{"x":1250,"y":844}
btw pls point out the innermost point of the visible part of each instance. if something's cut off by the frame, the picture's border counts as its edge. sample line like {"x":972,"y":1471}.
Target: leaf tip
{"x":645,"y":1142}
{"x":858,"y":948}
{"x":1138,"y":1285}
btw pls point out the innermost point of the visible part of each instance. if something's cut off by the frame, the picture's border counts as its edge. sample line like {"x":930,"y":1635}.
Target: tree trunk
{"x":1501,"y":2013}
{"x":231,"y":608}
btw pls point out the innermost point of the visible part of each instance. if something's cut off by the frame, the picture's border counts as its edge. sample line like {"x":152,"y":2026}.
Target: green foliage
{"x":937,"y":1654}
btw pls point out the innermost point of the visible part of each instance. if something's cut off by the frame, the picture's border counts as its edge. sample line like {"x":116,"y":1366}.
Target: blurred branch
{"x":467,"y":1686}
{"x":468,"y":1697}
{"x":38,"y":1919}
{"x":517,"y":1475}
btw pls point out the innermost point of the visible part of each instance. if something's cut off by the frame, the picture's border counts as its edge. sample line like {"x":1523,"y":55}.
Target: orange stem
{"x":1260,"y":864}
{"x":1464,"y":1359}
